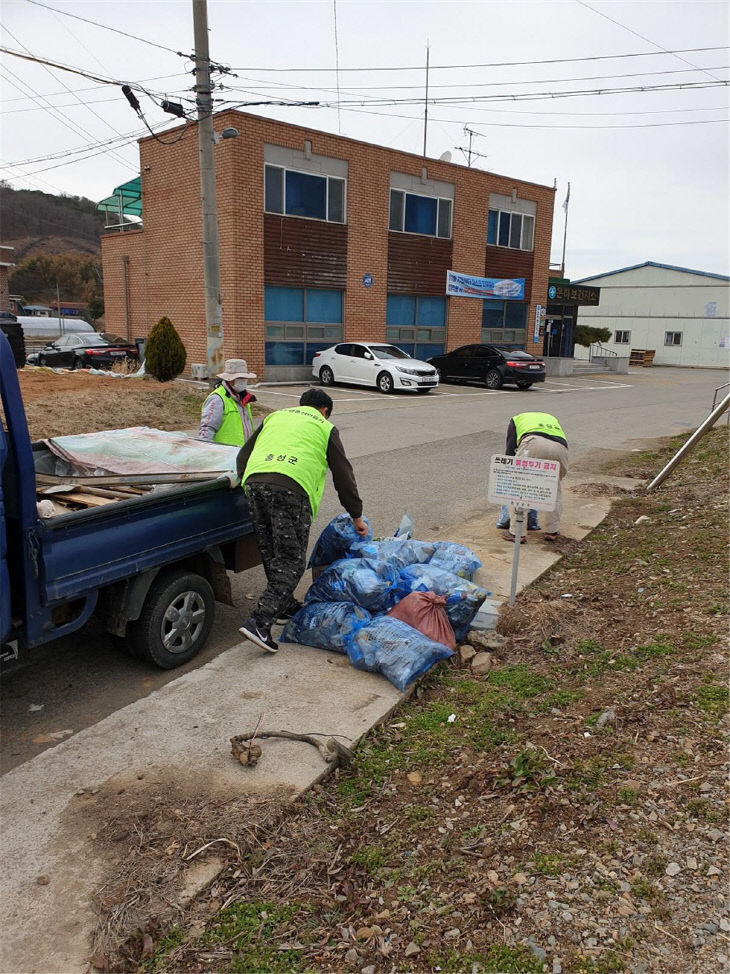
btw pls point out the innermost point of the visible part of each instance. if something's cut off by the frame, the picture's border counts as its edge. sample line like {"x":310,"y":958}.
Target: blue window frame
{"x":513,"y":230}
{"x":294,"y":193}
{"x":413,"y":213}
{"x":299,"y":322}
{"x":504,"y":322}
{"x":416,"y":323}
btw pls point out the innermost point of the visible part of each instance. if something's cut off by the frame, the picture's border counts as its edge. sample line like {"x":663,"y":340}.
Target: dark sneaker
{"x":294,"y":607}
{"x":502,"y":525}
{"x":259,"y":636}
{"x":533,"y":526}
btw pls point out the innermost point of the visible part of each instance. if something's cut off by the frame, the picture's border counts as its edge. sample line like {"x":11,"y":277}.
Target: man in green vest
{"x":226,"y":415}
{"x":282,"y":469}
{"x":539,"y":435}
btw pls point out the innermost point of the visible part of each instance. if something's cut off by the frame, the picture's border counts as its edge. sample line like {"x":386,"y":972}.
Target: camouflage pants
{"x":281,"y":520}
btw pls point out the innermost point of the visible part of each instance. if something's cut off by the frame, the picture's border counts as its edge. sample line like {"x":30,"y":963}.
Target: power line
{"x":80,"y":91}
{"x":84,"y":74}
{"x":488,"y":84}
{"x":115,"y":30}
{"x":492,"y":64}
{"x":92,"y":110}
{"x":648,"y":40}
{"x":536,"y":96}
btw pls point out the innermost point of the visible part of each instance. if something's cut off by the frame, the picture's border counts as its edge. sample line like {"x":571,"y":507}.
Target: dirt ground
{"x":59,"y":403}
{"x":566,"y":812}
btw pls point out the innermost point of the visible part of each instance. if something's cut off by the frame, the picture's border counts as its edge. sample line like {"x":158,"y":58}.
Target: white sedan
{"x":373,"y":364}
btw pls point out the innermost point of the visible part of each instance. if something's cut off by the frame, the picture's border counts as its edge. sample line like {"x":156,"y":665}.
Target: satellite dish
{"x":445,"y":156}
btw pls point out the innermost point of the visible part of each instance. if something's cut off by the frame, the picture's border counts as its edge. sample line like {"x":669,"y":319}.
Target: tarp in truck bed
{"x":144,"y":451}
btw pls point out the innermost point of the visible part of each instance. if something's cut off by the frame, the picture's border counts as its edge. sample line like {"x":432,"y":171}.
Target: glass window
{"x":284,"y":304}
{"x":397,"y":202}
{"x":428,"y":351}
{"x":443,"y":228}
{"x":420,"y":214}
{"x":492,"y":313}
{"x":528,"y":232}
{"x":274,"y":189}
{"x":515,"y":314}
{"x":492,"y":221}
{"x":673,"y":338}
{"x":515,"y":231}
{"x":336,"y":200}
{"x":504,"y":229}
{"x":285,"y":353}
{"x":504,"y":321}
{"x":391,"y":334}
{"x":320,"y":313}
{"x":324,"y":306}
{"x":431,"y":311}
{"x":306,"y":195}
{"x":400,"y":309}
{"x":358,"y":351}
{"x":622,"y":337}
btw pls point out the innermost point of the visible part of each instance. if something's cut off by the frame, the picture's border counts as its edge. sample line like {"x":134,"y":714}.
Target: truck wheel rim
{"x":183,"y":622}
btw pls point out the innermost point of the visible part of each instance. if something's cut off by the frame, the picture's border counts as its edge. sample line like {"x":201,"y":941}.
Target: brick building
{"x":324,"y":238}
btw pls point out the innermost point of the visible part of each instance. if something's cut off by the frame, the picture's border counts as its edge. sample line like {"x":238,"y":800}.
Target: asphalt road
{"x":427,"y":454}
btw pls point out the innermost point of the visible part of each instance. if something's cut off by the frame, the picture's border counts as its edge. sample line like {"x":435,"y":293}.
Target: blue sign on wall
{"x":468,"y":286}
{"x":367,"y":280}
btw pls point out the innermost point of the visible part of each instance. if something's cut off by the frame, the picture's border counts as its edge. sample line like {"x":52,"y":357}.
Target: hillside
{"x":40,"y":223}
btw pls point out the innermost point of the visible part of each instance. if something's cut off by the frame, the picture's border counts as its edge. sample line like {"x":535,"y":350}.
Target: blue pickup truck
{"x":150,"y":567}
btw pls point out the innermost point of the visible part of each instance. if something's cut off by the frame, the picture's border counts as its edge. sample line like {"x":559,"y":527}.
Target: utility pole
{"x":211,"y":257}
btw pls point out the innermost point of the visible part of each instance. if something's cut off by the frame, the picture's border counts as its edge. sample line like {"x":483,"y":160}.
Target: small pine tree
{"x":164,"y":353}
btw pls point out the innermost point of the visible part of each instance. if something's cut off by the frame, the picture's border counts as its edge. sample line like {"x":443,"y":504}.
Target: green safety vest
{"x":231,"y":430}
{"x":293,"y":442}
{"x":539,"y":424}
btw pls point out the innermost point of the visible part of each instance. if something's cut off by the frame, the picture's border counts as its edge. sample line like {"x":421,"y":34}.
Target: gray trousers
{"x":281,"y":520}
{"x":541,"y":448}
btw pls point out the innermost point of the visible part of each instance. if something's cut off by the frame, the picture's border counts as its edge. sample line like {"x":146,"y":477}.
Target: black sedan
{"x":91,"y":351}
{"x":491,"y":365}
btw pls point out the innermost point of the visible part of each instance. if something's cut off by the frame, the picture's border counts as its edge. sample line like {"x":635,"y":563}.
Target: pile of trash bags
{"x":426,"y":585}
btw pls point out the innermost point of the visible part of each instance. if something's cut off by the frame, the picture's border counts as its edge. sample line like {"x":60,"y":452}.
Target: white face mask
{"x":239,"y":385}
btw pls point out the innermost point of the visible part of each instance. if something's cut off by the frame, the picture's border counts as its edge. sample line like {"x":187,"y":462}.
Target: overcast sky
{"x":648,"y":169}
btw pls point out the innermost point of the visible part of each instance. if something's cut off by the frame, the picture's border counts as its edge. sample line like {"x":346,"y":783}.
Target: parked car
{"x":85,"y":352}
{"x":373,"y":364}
{"x":490,"y":364}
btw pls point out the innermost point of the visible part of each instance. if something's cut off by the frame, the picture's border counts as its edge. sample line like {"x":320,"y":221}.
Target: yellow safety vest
{"x":231,"y":430}
{"x":539,"y":424}
{"x":293,"y":442}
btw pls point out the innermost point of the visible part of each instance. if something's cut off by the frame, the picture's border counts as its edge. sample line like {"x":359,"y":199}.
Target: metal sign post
{"x":524,"y":483}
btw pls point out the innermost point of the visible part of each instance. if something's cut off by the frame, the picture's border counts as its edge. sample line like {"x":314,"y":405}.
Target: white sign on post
{"x":524,"y":482}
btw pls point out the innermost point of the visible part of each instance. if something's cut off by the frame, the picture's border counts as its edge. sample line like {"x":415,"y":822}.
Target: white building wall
{"x":650,"y":301}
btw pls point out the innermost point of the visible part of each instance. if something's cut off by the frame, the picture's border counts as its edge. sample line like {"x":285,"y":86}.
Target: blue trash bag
{"x":398,"y":552}
{"x":456,"y":558}
{"x":325,"y":625}
{"x":395,"y":649}
{"x":373,"y":585}
{"x":463,"y":598}
{"x":334,"y":542}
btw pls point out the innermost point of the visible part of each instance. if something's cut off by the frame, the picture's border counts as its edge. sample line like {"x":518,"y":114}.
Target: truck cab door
{"x":5,"y":620}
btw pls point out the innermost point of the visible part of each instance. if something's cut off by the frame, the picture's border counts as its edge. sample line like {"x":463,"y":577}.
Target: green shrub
{"x":165,"y":353}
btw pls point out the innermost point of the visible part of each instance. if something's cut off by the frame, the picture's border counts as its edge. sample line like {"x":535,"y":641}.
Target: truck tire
{"x":175,"y":621}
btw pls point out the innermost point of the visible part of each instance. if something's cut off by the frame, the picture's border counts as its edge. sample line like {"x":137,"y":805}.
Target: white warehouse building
{"x":682,"y":314}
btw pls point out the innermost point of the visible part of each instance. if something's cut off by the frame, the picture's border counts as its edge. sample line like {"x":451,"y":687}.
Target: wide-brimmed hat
{"x":236,"y":368}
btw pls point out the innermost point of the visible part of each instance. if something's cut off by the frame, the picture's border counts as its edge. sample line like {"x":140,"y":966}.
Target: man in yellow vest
{"x":539,"y":435}
{"x":282,"y":469}
{"x":226,"y":415}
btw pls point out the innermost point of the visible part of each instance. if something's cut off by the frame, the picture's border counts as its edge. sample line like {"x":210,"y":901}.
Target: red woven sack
{"x":425,"y":611}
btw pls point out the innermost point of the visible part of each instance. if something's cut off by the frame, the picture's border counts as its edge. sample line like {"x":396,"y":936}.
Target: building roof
{"x":652,"y":263}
